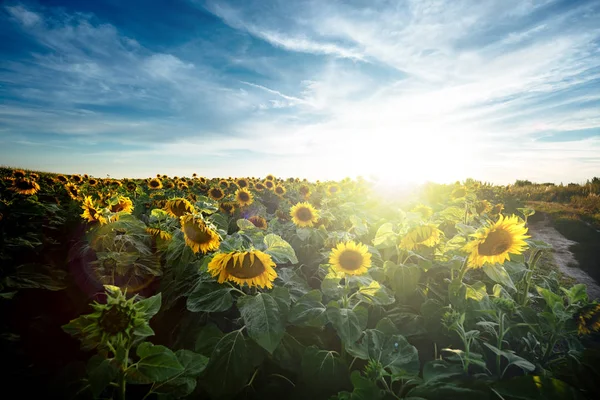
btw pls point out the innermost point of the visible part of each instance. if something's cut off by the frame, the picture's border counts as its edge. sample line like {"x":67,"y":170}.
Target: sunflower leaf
{"x":498,"y":274}
{"x":156,"y":364}
{"x":308,"y":310}
{"x":149,"y":306}
{"x":279,"y":249}
{"x":262,"y":316}
{"x":323,"y":371}
{"x":348,"y":323}
{"x":210,"y":298}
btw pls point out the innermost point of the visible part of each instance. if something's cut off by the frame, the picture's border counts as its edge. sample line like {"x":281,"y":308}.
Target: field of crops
{"x":269,"y":288}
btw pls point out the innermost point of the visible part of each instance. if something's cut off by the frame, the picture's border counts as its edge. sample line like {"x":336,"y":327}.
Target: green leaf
{"x":323,"y":371}
{"x":231,"y":365}
{"x":207,"y":339}
{"x":393,"y":351}
{"x":157,"y":363}
{"x":330,"y":286}
{"x":385,"y":236}
{"x":149,"y":306}
{"x":349,"y":324}
{"x":404,"y":278}
{"x":526,"y":211}
{"x":530,"y":387}
{"x":364,"y":389}
{"x":577,"y":293}
{"x":245,"y":225}
{"x":263,"y":321}
{"x":101,"y":372}
{"x":36,"y":276}
{"x":282,"y":297}
{"x":296,"y":285}
{"x":210,"y":298}
{"x":360,"y":228}
{"x":288,"y":352}
{"x":512,"y":358}
{"x":377,"y":294}
{"x":308,"y":310}
{"x":498,"y":274}
{"x":280,"y":250}
{"x":303,"y":233}
{"x":441,"y":370}
{"x":193,"y":363}
{"x":220,"y":221}
{"x":551,"y":299}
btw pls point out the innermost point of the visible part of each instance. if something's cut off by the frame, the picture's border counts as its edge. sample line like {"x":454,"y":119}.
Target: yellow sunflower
{"x":458,"y":193}
{"x":351,"y":258}
{"x":131,"y":186}
{"x":91,"y":212}
{"x":72,"y":191}
{"x":304,"y":191}
{"x":227,"y":207}
{"x":588,"y":319}
{"x":483,"y":207}
{"x":223,"y":184}
{"x":199,"y":236}
{"x":124,"y":205}
{"x":243,"y":197}
{"x":92,"y":182}
{"x":19,"y":174}
{"x":216,"y":193}
{"x":159,"y":233}
{"x":258,"y":222}
{"x":155,"y":183}
{"x":494,"y":243}
{"x":333,"y":189}
{"x":25,"y":186}
{"x":304,"y":214}
{"x":62,"y":179}
{"x":270,"y":177}
{"x":76,"y":178}
{"x":424,"y":210}
{"x":178,"y":207}
{"x":253,"y":268}
{"x":279,"y":190}
{"x":259,"y":187}
{"x":497,"y":209}
{"x":169,"y":185}
{"x":269,"y":184}
{"x":182,"y":185}
{"x":241,"y":182}
{"x":421,"y":236}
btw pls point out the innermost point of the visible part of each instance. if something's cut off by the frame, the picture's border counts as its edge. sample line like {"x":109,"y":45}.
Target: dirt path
{"x":543,"y":230}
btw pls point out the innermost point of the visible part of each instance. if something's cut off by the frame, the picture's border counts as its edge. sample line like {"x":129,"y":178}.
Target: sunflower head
{"x":224,"y":184}
{"x":92,"y":181}
{"x":270,"y":177}
{"x":72,"y":191}
{"x":304,"y":214}
{"x":91,"y":211}
{"x":131,"y":186}
{"x":178,"y":207}
{"x":169,"y":184}
{"x":259,"y":187}
{"x":493,"y":243}
{"x":124,"y":204}
{"x":114,"y":184}
{"x":241,"y":182}
{"x":424,"y":210}
{"x":25,"y":186}
{"x":158,"y":233}
{"x":269,"y":184}
{"x":350,"y":258}
{"x":155,"y":183}
{"x":497,"y":209}
{"x":258,"y":222}
{"x":62,"y":179}
{"x":253,"y":268}
{"x":588,"y":319}
{"x":18,"y":174}
{"x":333,"y":189}
{"x":198,"y":236}
{"x":279,"y":190}
{"x":458,"y":193}
{"x":304,"y":190}
{"x":227,"y":207}
{"x":421,"y":236}
{"x":483,"y":207}
{"x":76,"y":178}
{"x":243,"y":197}
{"x":216,"y":193}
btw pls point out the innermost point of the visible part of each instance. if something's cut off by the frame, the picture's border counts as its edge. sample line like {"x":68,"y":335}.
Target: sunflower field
{"x":248,"y":288}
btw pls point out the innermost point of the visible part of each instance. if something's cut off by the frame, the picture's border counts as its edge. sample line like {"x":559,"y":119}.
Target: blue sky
{"x":403,"y":90}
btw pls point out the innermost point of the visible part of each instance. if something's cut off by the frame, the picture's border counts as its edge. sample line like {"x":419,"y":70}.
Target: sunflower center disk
{"x":351,"y":260}
{"x":114,"y":320}
{"x":247,"y":270}
{"x":304,"y":214}
{"x":196,"y":233}
{"x":495,"y":243}
{"x":243,"y":197}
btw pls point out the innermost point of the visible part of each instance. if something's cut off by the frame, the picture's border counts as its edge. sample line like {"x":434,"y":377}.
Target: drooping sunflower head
{"x":350,"y":258}
{"x":91,"y":211}
{"x":458,"y":193}
{"x":483,"y":207}
{"x":159,"y":233}
{"x":243,"y":197}
{"x":18,"y":174}
{"x":179,"y":207}
{"x":182,"y":185}
{"x":25,"y":186}
{"x":304,"y":190}
{"x":198,"y":236}
{"x":124,"y":205}
{"x":258,"y":222}
{"x":216,"y":193}
{"x":242,"y":182}
{"x":62,"y":179}
{"x":588,"y":319}
{"x":269,"y":184}
{"x":227,"y":207}
{"x":497,"y":209}
{"x":424,"y":210}
{"x":253,"y":268}
{"x":421,"y":236}
{"x":155,"y":183}
{"x":279,"y":190}
{"x":493,"y":243}
{"x":72,"y":191}
{"x":304,"y":214}
{"x":333,"y":189}
{"x":259,"y":187}
{"x":169,"y":184}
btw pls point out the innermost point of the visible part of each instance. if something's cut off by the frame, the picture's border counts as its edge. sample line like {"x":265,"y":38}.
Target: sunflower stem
{"x":529,"y":276}
{"x":463,"y":269}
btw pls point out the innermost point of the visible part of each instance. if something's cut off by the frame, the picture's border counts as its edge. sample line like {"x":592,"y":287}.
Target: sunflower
{"x":92,"y":182}
{"x":588,"y":319}
{"x":216,"y":193}
{"x":304,"y":190}
{"x":72,"y":191}
{"x":243,"y":197}
{"x":115,"y":184}
{"x":259,"y":186}
{"x":351,"y":258}
{"x":458,"y":193}
{"x":270,"y":177}
{"x":332,"y":189}
{"x":62,"y":179}
{"x":19,"y":174}
{"x":159,"y":233}
{"x":253,"y":268}
{"x":169,"y":185}
{"x":497,"y":209}
{"x":124,"y":205}
{"x":131,"y":186}
{"x":178,"y":207}
{"x":199,"y":236}
{"x":269,"y":184}
{"x":25,"y":186}
{"x":279,"y":190}
{"x":424,"y":210}
{"x":304,"y":214}
{"x":223,"y":184}
{"x":182,"y":186}
{"x":258,"y":222}
{"x":241,"y":182}
{"x":91,"y":212}
{"x":483,"y":207}
{"x":194,"y":175}
{"x":227,"y":207}
{"x":421,"y":236}
{"x":155,"y":183}
{"x":494,"y":242}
